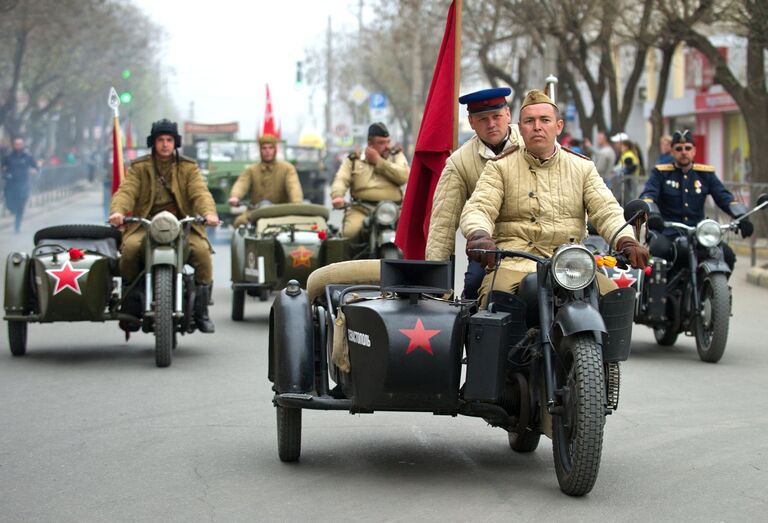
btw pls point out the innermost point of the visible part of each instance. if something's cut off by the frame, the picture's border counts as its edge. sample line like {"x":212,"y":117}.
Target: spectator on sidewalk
{"x":17,"y":167}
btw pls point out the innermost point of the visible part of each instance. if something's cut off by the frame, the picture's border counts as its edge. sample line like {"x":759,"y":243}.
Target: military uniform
{"x":369,"y":183}
{"x":535,"y":205}
{"x":457,"y":183}
{"x":275,"y":181}
{"x":143,"y":194}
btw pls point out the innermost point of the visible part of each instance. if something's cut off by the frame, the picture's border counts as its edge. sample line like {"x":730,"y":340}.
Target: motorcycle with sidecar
{"x":687,"y":291}
{"x":72,"y":274}
{"x":544,"y":361}
{"x":377,"y":239}
{"x":281,"y":242}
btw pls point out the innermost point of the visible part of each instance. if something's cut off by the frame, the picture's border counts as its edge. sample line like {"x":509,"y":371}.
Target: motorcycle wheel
{"x":164,"y":324}
{"x":526,"y":441}
{"x":577,"y":438}
{"x":17,"y":337}
{"x":390,"y":252}
{"x":238,"y":304}
{"x":664,"y":336}
{"x":288,"y":433}
{"x":711,"y":327}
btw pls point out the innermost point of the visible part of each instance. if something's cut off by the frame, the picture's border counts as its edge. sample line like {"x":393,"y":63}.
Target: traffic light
{"x":299,"y":75}
{"x":126,"y":73}
{"x":126,"y":97}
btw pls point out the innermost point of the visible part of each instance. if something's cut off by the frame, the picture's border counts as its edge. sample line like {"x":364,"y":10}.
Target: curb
{"x":758,"y":276}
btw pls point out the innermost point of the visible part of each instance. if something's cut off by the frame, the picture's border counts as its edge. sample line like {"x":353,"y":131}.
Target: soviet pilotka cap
{"x":682,"y":137}
{"x":378,"y":129}
{"x":535,"y":96}
{"x":485,"y":100}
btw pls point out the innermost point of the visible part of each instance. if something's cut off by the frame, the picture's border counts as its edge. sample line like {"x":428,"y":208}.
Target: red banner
{"x":118,"y":168}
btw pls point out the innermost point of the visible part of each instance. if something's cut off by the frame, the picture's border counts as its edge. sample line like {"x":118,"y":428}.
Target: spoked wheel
{"x":577,"y":439}
{"x":711,"y":326}
{"x":525,"y":441}
{"x":238,"y":304}
{"x":665,"y":336}
{"x":17,"y":337}
{"x":164,"y":324}
{"x":288,"y":433}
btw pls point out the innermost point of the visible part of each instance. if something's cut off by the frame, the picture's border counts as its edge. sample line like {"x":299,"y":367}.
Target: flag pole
{"x":456,"y":74}
{"x":118,"y":167}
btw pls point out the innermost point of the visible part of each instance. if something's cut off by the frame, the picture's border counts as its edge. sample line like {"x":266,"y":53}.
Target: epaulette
{"x":183,"y":158}
{"x":502,"y":154}
{"x":395,"y":150}
{"x":703,"y":167}
{"x":664,"y":167}
{"x":575,"y":153}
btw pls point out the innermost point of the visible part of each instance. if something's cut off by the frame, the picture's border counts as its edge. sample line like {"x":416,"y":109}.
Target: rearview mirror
{"x":636,"y":209}
{"x":762,"y":199}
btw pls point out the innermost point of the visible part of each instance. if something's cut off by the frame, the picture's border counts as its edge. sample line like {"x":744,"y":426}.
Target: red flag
{"x":118,"y":168}
{"x":128,"y":136}
{"x":269,"y":120}
{"x":433,"y":146}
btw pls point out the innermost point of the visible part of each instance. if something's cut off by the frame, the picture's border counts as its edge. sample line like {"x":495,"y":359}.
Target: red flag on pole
{"x":118,"y":168}
{"x":128,"y":135}
{"x":433,"y":146}
{"x":269,"y":119}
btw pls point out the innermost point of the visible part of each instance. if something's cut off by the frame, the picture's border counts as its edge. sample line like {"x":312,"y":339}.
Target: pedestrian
{"x":17,"y":168}
{"x":627,"y":167}
{"x":489,"y":117}
{"x":537,"y":198}
{"x":376,"y":176}
{"x":604,"y":158}
{"x":665,"y":149}
{"x":270,"y":180}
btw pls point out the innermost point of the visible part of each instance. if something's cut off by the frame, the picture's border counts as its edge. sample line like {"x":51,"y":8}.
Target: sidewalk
{"x":757,"y":275}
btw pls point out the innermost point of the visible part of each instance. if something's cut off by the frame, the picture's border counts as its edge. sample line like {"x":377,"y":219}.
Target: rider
{"x":489,"y":117}
{"x":680,"y":190}
{"x":270,"y":179}
{"x":166,"y":181}
{"x":536,"y":198}
{"x":377,"y":176}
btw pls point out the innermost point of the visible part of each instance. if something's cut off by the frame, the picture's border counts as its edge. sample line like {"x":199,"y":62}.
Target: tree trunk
{"x":657,"y":121}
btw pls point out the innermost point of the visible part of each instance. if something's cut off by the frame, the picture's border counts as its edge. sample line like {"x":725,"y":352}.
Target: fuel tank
{"x":405,"y":354}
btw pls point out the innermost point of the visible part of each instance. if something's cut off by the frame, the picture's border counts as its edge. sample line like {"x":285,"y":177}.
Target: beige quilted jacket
{"x":531,"y":205}
{"x":456,"y":184}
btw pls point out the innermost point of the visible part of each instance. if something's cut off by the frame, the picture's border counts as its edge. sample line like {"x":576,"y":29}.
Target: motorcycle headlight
{"x":573,"y":267}
{"x":165,"y":227}
{"x":386,"y":213}
{"x":708,"y":233}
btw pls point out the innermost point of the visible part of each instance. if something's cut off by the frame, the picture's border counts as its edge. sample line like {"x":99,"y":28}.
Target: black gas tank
{"x":404,"y":355}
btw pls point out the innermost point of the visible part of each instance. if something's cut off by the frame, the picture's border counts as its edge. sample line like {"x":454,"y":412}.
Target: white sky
{"x":223,"y":52}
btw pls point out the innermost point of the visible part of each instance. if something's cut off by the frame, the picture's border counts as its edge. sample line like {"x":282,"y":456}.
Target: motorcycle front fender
{"x":578,"y":316}
{"x":710,"y":266}
{"x":163,"y":255}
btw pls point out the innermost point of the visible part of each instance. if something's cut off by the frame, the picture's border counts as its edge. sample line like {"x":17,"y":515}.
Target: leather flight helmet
{"x":161,"y":127}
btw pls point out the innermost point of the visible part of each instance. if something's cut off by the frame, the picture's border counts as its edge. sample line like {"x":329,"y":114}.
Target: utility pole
{"x":328,"y":83}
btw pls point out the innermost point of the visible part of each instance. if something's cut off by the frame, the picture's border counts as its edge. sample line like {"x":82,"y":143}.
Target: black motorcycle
{"x":687,"y":291}
{"x":378,"y":234}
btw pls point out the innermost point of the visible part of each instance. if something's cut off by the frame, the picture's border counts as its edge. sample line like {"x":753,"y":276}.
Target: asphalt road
{"x":91,"y":430}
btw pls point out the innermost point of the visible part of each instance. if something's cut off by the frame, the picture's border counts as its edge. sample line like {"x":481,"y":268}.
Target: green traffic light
{"x":126,"y":97}
{"x":126,"y":73}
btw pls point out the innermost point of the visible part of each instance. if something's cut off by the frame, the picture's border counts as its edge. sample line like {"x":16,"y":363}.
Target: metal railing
{"x":52,"y":183}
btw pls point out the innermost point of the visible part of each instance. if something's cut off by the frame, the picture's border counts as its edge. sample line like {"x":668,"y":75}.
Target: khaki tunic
{"x":137,"y":195}
{"x":369,"y":182}
{"x":276,"y":181}
{"x":457,"y":182}
{"x":535,"y":206}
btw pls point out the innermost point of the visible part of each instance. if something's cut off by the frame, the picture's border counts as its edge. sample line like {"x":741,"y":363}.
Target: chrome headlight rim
{"x":567,"y":254}
{"x":164,"y":228}
{"x":386,"y":213}
{"x":709,"y":233}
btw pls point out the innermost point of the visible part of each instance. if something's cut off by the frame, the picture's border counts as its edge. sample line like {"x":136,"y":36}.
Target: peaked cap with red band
{"x":486,"y":100}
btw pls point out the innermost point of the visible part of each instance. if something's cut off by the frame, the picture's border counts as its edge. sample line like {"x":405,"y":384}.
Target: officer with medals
{"x":379,"y":175}
{"x":164,"y":180}
{"x":680,"y":190}
{"x":489,"y":117}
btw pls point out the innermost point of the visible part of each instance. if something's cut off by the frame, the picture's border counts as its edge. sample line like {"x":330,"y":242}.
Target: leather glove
{"x":746,"y":228}
{"x":635,"y":253}
{"x":481,"y":240}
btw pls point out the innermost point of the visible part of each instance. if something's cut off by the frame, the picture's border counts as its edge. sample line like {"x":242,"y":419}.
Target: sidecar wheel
{"x":665,"y":337}
{"x":17,"y":337}
{"x":164,"y":322}
{"x":577,"y":434}
{"x":264,"y":294}
{"x":712,"y":326}
{"x":288,"y":433}
{"x":526,"y":441}
{"x":238,"y":304}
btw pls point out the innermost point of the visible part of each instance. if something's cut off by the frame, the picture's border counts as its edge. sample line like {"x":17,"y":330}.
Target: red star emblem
{"x":67,"y":277}
{"x":623,"y":279}
{"x":301,"y":256}
{"x":419,"y":337}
